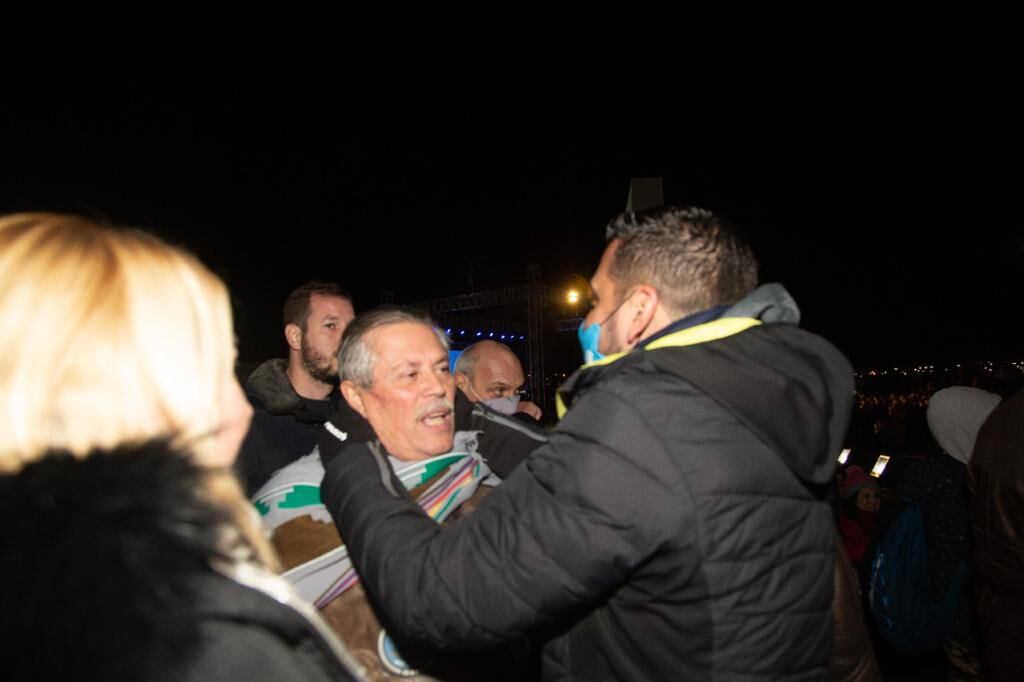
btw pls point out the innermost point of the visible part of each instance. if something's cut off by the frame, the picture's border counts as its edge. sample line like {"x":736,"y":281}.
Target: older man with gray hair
{"x":430,"y":445}
{"x":395,"y":374}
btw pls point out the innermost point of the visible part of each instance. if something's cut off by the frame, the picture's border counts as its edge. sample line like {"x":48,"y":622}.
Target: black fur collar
{"x":104,"y":559}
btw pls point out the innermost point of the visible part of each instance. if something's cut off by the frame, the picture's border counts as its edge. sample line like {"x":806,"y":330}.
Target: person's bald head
{"x":487,"y":370}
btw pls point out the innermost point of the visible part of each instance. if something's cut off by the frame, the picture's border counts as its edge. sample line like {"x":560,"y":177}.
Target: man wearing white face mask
{"x":489,"y":372}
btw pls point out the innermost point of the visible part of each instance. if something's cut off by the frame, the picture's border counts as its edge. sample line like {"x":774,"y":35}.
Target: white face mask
{"x":507,"y":405}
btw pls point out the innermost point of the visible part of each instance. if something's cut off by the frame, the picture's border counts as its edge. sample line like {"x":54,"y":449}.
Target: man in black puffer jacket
{"x":292,"y":398}
{"x":673,"y":526}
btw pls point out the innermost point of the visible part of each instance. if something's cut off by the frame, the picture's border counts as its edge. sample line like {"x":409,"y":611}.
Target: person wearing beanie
{"x":938,"y":485}
{"x":955,"y":416}
{"x":861,"y":498}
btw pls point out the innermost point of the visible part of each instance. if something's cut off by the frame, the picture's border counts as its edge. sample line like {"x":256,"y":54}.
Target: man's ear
{"x":461,"y":381}
{"x":353,"y":396}
{"x":293,"y":335}
{"x":645,"y":301}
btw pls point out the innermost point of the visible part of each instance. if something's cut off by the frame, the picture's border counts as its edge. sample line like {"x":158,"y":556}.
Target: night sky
{"x":886,"y":231}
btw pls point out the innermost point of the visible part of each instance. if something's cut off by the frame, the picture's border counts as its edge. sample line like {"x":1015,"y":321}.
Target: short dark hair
{"x":296,"y":306}
{"x":694,"y":258}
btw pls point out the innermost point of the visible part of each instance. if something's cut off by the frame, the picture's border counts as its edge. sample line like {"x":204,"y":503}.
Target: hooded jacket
{"x":672,"y":527}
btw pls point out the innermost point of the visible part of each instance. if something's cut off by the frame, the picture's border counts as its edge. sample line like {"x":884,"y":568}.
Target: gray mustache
{"x":439,"y":404}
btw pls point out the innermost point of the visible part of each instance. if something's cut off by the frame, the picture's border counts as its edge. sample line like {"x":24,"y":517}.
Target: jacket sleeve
{"x":344,"y":428}
{"x":568,"y":526}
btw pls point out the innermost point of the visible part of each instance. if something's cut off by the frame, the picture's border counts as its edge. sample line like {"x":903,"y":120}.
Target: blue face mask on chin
{"x":590,"y":338}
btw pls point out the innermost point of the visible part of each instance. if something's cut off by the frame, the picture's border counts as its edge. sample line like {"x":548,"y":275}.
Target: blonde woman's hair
{"x":108,"y":337}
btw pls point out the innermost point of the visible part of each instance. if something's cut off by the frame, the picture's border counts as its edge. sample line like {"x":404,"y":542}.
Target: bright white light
{"x":879,"y":467}
{"x":844,"y":455}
